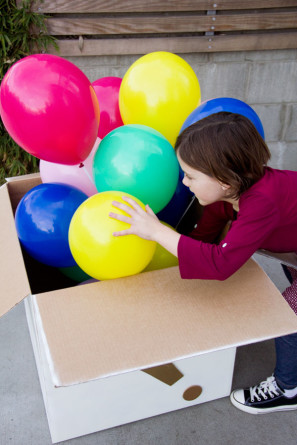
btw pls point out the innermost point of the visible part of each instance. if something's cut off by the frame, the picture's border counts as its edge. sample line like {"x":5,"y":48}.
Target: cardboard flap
{"x":14,"y":281}
{"x":154,"y":318}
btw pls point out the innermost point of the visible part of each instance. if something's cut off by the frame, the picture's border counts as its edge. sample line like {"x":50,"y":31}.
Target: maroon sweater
{"x":267,"y":219}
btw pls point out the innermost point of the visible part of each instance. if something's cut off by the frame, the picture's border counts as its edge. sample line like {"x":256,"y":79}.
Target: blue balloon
{"x":172,"y":213}
{"x":219,"y":104}
{"x":42,"y":221}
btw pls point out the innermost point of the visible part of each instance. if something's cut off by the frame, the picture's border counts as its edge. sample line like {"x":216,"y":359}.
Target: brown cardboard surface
{"x":19,"y":273}
{"x":156,"y":317}
{"x":14,"y":282}
{"x":20,"y":185}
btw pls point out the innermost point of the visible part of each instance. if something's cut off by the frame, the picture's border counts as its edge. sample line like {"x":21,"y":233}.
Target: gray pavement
{"x":23,"y":419}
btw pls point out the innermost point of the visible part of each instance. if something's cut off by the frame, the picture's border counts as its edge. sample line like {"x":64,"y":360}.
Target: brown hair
{"x":226,"y":146}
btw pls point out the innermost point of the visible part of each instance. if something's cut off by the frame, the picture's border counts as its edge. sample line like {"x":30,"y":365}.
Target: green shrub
{"x":22,"y":32}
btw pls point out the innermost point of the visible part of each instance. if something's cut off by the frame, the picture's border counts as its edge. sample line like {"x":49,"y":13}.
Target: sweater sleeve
{"x":212,"y":222}
{"x":256,"y":220}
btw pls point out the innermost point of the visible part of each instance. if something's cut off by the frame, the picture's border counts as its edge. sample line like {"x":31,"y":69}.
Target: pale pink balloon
{"x":79,"y":176}
{"x":107,"y":91}
{"x":50,"y":108}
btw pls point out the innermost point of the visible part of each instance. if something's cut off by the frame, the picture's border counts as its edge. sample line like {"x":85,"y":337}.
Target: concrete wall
{"x":266,"y":80}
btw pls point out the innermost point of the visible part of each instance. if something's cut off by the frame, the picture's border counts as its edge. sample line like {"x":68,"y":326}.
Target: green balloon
{"x":75,"y":273}
{"x":138,"y":160}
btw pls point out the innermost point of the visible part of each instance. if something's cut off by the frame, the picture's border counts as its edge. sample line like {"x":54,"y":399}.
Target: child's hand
{"x":144,"y":223}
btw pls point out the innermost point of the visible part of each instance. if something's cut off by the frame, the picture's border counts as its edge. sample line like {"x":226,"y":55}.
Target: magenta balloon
{"x":50,"y":108}
{"x":107,"y":91}
{"x":79,"y":175}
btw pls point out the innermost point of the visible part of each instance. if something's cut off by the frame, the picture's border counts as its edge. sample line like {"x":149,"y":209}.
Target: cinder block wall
{"x":266,"y":80}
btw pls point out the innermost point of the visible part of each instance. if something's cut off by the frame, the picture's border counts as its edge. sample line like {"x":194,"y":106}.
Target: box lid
{"x":14,"y":285}
{"x":153,"y":318}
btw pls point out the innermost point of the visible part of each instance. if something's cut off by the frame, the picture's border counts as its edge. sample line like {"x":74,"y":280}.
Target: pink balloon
{"x":107,"y":91}
{"x":50,"y":108}
{"x":79,"y":175}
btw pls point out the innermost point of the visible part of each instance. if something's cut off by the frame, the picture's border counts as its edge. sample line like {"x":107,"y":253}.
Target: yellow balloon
{"x":159,"y":90}
{"x":93,"y":246}
{"x":162,"y":258}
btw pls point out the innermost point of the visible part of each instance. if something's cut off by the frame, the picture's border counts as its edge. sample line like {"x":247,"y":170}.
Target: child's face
{"x":206,"y":189}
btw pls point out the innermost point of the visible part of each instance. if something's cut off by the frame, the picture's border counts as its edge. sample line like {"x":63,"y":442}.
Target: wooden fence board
{"x":95,"y":27}
{"x":176,"y":24}
{"x":141,"y":6}
{"x":219,"y":43}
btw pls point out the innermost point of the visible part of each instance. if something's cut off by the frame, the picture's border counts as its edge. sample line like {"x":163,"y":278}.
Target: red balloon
{"x":107,"y":91}
{"x":50,"y":108}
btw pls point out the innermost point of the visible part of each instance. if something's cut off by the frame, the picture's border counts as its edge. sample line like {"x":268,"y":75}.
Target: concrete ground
{"x":23,"y":419}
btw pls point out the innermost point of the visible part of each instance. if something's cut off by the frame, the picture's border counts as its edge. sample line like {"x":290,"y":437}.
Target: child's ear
{"x":225,"y":186}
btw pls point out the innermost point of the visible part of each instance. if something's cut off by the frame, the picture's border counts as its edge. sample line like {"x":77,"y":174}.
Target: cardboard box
{"x":117,"y":351}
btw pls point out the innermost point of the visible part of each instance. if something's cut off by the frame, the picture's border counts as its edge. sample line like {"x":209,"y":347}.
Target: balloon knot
{"x":81,"y":165}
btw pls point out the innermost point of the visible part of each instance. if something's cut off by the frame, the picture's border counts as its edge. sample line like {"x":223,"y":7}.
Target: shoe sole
{"x":250,"y":410}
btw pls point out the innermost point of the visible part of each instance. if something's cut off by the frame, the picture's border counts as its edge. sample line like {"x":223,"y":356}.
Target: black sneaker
{"x":267,"y":397}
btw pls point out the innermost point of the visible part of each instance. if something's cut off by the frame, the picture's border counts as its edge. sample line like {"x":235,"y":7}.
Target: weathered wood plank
{"x":176,"y":24}
{"x":219,"y":43}
{"x":112,"y":6}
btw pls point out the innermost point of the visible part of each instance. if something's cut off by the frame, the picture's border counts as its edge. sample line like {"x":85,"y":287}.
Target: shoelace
{"x":269,"y":386}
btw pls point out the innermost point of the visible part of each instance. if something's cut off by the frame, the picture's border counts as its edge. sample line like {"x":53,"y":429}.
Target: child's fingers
{"x":126,"y":219}
{"x":132,"y":202}
{"x":149,"y":210}
{"x":134,"y":206}
{"x":122,"y":233}
{"x":124,"y":207}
